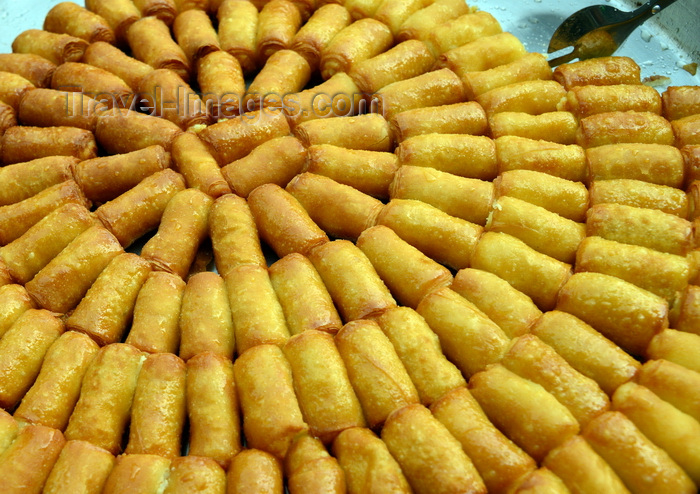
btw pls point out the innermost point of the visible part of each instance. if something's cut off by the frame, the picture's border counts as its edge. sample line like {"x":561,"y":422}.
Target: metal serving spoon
{"x":599,"y":30}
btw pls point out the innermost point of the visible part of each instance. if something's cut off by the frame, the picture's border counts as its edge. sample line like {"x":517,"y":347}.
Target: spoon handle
{"x":651,"y":8}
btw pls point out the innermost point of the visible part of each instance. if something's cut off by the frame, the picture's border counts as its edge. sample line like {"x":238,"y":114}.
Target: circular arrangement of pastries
{"x":481,"y":275}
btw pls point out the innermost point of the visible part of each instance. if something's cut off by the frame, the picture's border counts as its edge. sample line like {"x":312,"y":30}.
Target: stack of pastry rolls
{"x":365,"y":246}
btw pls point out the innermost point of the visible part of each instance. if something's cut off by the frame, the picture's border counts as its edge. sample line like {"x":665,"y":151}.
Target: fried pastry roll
{"x":584,"y":101}
{"x":196,"y":164}
{"x":554,"y":126}
{"x":467,"y":198}
{"x":407,"y":272}
{"x":278,"y":22}
{"x":533,"y":97}
{"x":195,"y":34}
{"x":623,"y":127}
{"x":193,"y":473}
{"x":673,"y":383}
{"x":340,"y":210}
{"x":457,"y":118}
{"x":686,"y":130}
{"x":538,"y":276}
{"x":234,"y":235}
{"x":310,"y":469}
{"x":640,"y":464}
{"x":602,"y":301}
{"x":285,"y":72}
{"x":154,"y":327}
{"x":71,"y":18}
{"x":23,"y":143}
{"x":165,"y":10}
{"x":666,"y":426}
{"x":534,"y":360}
{"x":205,"y":318}
{"x":360,"y":9}
{"x":63,"y":282}
{"x":119,"y":14}
{"x":633,"y":263}
{"x":221,"y":83}
{"x":581,"y":468}
{"x":274,"y":162}
{"x":158,"y":409}
{"x":419,"y":441}
{"x":543,"y":230}
{"x":404,"y":61}
{"x":367,"y":463}
{"x":586,"y":350}
{"x":460,"y":154}
{"x":685,"y":310}
{"x":370,"y":132}
{"x":24,"y":180}
{"x":497,"y":459}
{"x":98,"y":83}
{"x":513,"y":84}
{"x":640,"y":226}
{"x":123,"y":131}
{"x":336,"y":97}
{"x":462,"y":30}
{"x":370,"y":172}
{"x":145,"y":204}
{"x":257,"y":314}
{"x":26,"y":464}
{"x":599,"y":71}
{"x":5,"y":277}
{"x":103,"y":179}
{"x":420,"y":23}
{"x":483,"y":53}
{"x":150,"y":42}
{"x":326,"y":397}
{"x":14,"y":301}
{"x":103,"y":409}
{"x":12,"y":88}
{"x":654,"y":163}
{"x":9,"y":428}
{"x":35,"y":68}
{"x":55,"y":392}
{"x":313,"y":37}
{"x":436,"y":88}
{"x":512,"y":310}
{"x":8,"y":117}
{"x":173,"y":99}
{"x":282,"y":221}
{"x":212,"y":408}
{"x":110,"y":58}
{"x":527,"y":413}
{"x":376,"y":373}
{"x":564,"y":197}
{"x":419,"y":349}
{"x":81,"y":467}
{"x":680,"y":101}
{"x":393,"y":13}
{"x":303,"y":296}
{"x":50,"y":108}
{"x":421,"y":225}
{"x":107,"y":308}
{"x":561,"y":160}
{"x":266,"y":393}
{"x":183,"y":227}
{"x":138,"y":473}
{"x":675,"y":346}
{"x":56,"y":48}
{"x":237,"y":29}
{"x":352,"y":281}
{"x":255,"y":470}
{"x":22,"y":350}
{"x":629,"y":192}
{"x":233,"y":139}
{"x":468,"y":337}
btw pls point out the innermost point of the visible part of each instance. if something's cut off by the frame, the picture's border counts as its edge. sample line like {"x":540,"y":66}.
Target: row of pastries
{"x":368,"y":246}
